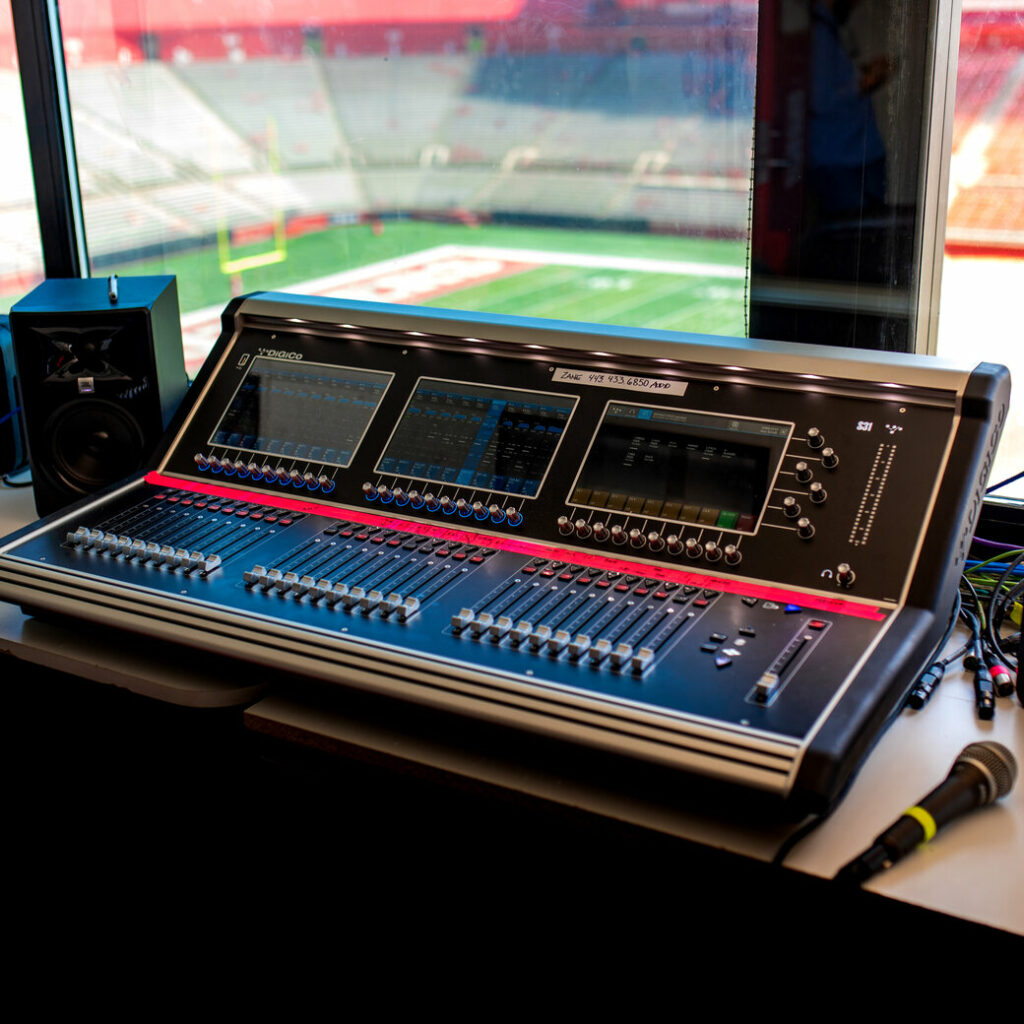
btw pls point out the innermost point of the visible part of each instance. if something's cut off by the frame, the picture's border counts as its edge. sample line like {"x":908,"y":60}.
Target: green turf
{"x":605,"y":296}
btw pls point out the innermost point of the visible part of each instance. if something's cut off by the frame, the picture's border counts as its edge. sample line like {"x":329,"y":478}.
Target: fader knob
{"x":582,"y":528}
{"x":803,"y":472}
{"x":565,"y":526}
{"x":636,"y":538}
{"x":618,"y":534}
{"x":815,"y":438}
{"x":693,"y":548}
{"x":805,"y":528}
{"x":817,"y":492}
{"x":600,"y":532}
{"x":845,"y":576}
{"x":655,"y":541}
{"x":712,"y":552}
{"x":790,"y":507}
{"x":829,"y":459}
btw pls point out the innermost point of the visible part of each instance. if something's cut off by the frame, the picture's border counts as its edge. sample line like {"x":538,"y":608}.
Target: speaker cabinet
{"x":101,"y":371}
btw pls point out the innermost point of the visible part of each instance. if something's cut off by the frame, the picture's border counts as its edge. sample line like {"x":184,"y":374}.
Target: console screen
{"x":302,"y":410}
{"x":681,"y":466}
{"x":499,"y":440}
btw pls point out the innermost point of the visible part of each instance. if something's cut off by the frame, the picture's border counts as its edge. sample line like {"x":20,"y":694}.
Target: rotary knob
{"x":416,"y":499}
{"x":804,"y":528}
{"x":655,"y":541}
{"x":733,"y":555}
{"x":242,"y":469}
{"x":636,"y":538}
{"x":815,"y":438}
{"x":310,"y":480}
{"x":619,"y":535}
{"x":254,"y":471}
{"x":514,"y":516}
{"x":803,"y":472}
{"x":446,"y":505}
{"x":281,"y":475}
{"x":817,"y":493}
{"x":431,"y":503}
{"x":201,"y":461}
{"x":712,"y":552}
{"x":295,"y":478}
{"x":845,"y":576}
{"x":790,"y":507}
{"x":497,"y":513}
{"x":582,"y":528}
{"x":464,"y":508}
{"x":829,"y":459}
{"x":693,"y":548}
{"x":385,"y":493}
{"x":401,"y":498}
{"x":480,"y":511}
{"x":600,"y":532}
{"x":565,"y":526}
{"x":674,"y":544}
{"x":326,"y":483}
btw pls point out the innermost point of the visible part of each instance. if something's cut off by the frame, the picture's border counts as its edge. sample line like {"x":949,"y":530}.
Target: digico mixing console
{"x":728,"y":558}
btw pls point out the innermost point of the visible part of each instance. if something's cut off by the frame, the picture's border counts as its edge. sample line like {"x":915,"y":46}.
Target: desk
{"x":971,"y":871}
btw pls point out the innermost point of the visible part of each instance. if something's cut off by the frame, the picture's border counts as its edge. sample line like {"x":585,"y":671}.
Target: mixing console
{"x":731,"y":559}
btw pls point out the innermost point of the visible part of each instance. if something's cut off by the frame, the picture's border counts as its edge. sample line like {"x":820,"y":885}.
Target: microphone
{"x":982,"y":773}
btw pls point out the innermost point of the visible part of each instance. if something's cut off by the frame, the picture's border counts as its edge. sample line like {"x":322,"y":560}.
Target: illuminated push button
{"x":501,"y":627}
{"x":712,"y":552}
{"x":539,"y":637}
{"x":600,"y":532}
{"x":655,"y":541}
{"x":641,"y":659}
{"x":803,"y":472}
{"x":619,"y":535}
{"x":815,"y":439}
{"x":326,"y":483}
{"x":599,"y":650}
{"x":790,"y":507}
{"x":462,"y":618}
{"x":582,"y":528}
{"x":817,"y":492}
{"x":621,"y":655}
{"x":579,"y":646}
{"x":497,"y":513}
{"x":636,"y":538}
{"x":829,"y":459}
{"x":693,"y":548}
{"x":565,"y":527}
{"x":804,"y":528}
{"x":201,"y":461}
{"x":558,"y":641}
{"x":514,"y":516}
{"x":733,"y":556}
{"x":845,"y":576}
{"x":522,"y":629}
{"x":673,"y":544}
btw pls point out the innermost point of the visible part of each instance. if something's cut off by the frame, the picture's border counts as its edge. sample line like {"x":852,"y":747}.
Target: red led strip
{"x":533,"y":549}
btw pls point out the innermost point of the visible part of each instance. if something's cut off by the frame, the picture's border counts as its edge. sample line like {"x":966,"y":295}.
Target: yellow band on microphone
{"x":924,"y":819}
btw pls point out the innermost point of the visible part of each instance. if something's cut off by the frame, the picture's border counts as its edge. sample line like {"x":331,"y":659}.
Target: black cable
{"x":997,"y":605}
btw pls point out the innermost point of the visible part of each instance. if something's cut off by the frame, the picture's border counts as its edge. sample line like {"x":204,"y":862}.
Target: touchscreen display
{"x":499,"y":440}
{"x":682,"y":466}
{"x":306,"y":411}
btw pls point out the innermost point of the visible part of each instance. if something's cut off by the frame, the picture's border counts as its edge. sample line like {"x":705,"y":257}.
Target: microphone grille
{"x":996,"y":759}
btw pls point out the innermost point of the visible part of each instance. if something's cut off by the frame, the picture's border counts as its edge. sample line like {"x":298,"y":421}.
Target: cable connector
{"x":925,"y":686}
{"x":1001,"y":678}
{"x":984,"y":693}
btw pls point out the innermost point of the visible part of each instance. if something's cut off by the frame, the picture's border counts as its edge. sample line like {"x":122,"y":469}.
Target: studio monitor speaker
{"x":102,"y":370}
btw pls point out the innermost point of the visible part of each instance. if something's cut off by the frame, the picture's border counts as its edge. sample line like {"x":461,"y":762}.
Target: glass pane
{"x":21,"y":260}
{"x":983,"y":272}
{"x":587,"y":159}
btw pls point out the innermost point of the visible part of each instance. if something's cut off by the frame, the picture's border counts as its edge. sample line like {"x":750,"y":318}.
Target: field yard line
{"x":607,"y":262}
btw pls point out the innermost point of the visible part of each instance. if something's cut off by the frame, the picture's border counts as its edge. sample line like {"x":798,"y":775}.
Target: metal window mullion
{"x":51,"y":139}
